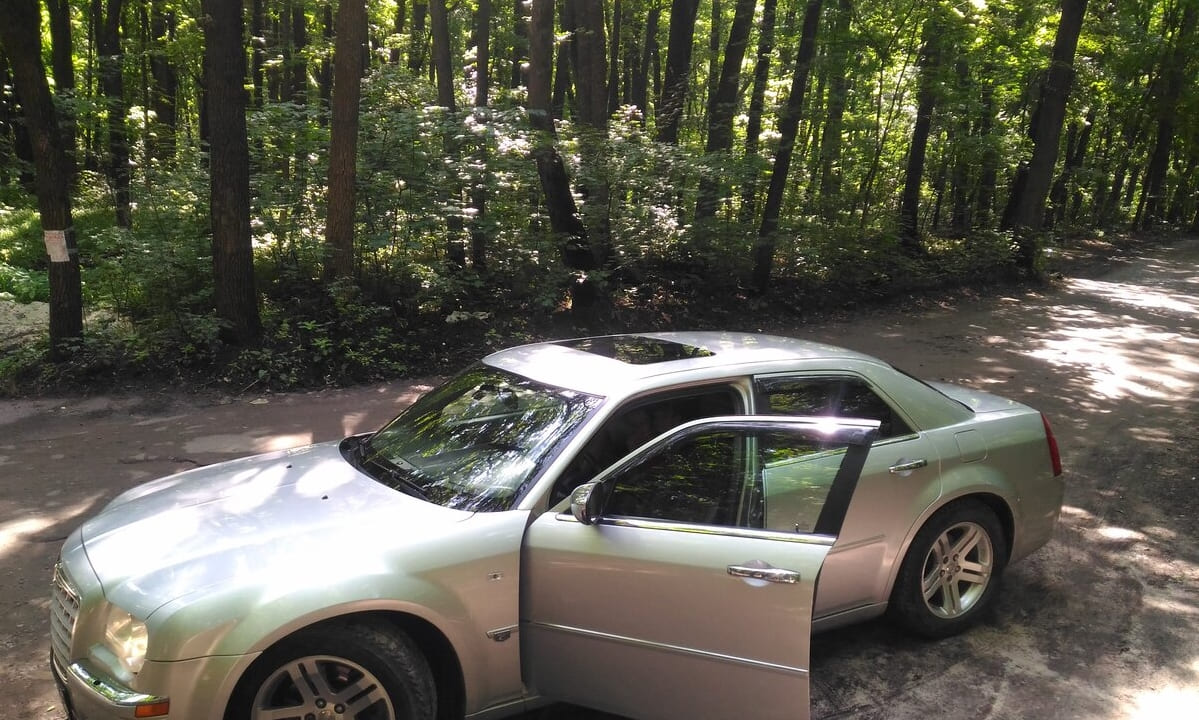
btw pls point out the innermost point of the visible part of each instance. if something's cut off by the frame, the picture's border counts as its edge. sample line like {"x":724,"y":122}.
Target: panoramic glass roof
{"x":636,"y":350}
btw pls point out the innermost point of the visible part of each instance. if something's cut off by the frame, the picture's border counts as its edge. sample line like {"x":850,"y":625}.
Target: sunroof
{"x":637,"y":350}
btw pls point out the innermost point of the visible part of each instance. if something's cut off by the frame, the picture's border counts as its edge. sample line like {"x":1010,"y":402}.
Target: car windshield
{"x":475,"y":442}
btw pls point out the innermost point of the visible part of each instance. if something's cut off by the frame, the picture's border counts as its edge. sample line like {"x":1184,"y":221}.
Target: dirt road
{"x":1103,"y":623}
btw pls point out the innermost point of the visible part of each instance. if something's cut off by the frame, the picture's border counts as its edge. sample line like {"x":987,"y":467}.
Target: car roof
{"x":615,"y":364}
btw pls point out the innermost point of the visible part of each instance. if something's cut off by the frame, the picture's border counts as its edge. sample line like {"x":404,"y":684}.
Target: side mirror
{"x":587,"y":502}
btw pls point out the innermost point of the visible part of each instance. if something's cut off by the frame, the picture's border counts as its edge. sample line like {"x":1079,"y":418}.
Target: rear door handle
{"x":768,"y":574}
{"x":903,"y":467}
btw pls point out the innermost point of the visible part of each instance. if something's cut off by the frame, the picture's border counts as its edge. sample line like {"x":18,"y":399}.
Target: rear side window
{"x":847,"y":397}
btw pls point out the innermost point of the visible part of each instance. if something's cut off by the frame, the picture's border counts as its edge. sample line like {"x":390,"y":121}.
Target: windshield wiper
{"x":395,"y":473}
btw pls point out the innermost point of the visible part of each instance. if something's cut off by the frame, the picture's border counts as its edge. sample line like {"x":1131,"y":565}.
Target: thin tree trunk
{"x":988,"y":174}
{"x":397,"y":29}
{"x":520,"y":42}
{"x":788,"y":127}
{"x":478,"y":197}
{"x":20,"y":36}
{"x":614,"y":56}
{"x":112,"y":85}
{"x":641,"y":79}
{"x":1175,"y":72}
{"x":831,"y":141}
{"x":555,"y":183}
{"x":258,"y":51}
{"x":926,"y":102}
{"x":722,"y":105}
{"x":441,"y":54}
{"x":417,"y":40}
{"x":299,"y":63}
{"x":1047,"y":131}
{"x":757,"y":104}
{"x":62,"y":62}
{"x":232,"y":251}
{"x":678,"y":69}
{"x":166,"y":80}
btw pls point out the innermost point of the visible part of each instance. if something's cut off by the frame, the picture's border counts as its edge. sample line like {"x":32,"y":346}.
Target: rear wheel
{"x":338,"y":672}
{"x":950,"y":576}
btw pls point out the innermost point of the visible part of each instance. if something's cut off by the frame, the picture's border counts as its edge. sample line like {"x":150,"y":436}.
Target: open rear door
{"x":669,"y":590}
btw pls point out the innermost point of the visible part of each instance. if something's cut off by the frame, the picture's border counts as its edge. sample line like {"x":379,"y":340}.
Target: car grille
{"x":64,"y":609}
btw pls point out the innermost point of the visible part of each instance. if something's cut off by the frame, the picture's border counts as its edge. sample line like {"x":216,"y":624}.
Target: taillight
{"x":1054,"y":456}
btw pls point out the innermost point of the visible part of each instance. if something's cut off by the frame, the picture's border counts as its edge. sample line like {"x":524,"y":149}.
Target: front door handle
{"x":768,"y":574}
{"x":903,"y":467}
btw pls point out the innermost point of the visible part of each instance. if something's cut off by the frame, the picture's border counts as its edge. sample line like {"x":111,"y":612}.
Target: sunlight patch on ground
{"x":1123,"y":357}
{"x":1137,"y":295}
{"x":15,"y":532}
{"x":1171,"y":701}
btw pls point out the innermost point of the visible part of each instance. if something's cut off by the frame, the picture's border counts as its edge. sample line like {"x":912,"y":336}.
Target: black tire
{"x":365,"y":671}
{"x":959,"y":555}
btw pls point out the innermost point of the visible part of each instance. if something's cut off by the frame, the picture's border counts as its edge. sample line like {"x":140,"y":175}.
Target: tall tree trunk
{"x":838,"y":93}
{"x":678,"y":69}
{"x":788,"y":128}
{"x":478,"y":228}
{"x":455,"y":247}
{"x":20,"y":37}
{"x":441,"y":54}
{"x":713,"y":74}
{"x":258,"y":51}
{"x":722,"y":104}
{"x":397,"y":29}
{"x":520,"y":43}
{"x":1047,"y":132}
{"x":1076,"y":153}
{"x":298,"y":72}
{"x":641,"y":84}
{"x":988,"y":173}
{"x":166,"y":80}
{"x":555,"y":183}
{"x":757,"y":105}
{"x":926,"y":102}
{"x":112,"y":85}
{"x":614,"y":56}
{"x":1175,"y":72}
{"x":62,"y":61}
{"x":417,"y":40}
{"x":349,"y":53}
{"x":592,"y":94}
{"x":325,"y":70}
{"x":232,"y":250}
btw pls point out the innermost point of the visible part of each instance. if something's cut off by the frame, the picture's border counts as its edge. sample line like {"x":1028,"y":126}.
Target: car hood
{"x":290,"y":514}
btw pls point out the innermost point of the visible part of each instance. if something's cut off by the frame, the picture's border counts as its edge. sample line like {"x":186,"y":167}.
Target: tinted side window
{"x":700,"y":480}
{"x":775,"y":480}
{"x":633,"y":425}
{"x":840,"y":397}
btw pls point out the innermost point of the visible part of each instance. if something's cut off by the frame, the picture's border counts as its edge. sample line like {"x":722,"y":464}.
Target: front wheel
{"x":951,"y":573}
{"x":342,"y":672}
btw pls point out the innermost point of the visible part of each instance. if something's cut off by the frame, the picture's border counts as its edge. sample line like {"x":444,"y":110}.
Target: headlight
{"x":126,"y":637}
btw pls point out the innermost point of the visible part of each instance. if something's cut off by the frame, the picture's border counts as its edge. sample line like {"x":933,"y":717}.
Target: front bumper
{"x":197,"y":689}
{"x":89,"y":695}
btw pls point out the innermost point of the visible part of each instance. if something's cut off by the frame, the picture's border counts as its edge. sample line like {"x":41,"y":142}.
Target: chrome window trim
{"x":668,"y":647}
{"x":716,"y":530}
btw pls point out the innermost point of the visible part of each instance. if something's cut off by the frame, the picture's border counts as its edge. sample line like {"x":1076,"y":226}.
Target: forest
{"x":287,"y":193}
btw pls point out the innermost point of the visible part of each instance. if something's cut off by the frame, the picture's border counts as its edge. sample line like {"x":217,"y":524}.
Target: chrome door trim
{"x":718,"y":530}
{"x":705,"y":654}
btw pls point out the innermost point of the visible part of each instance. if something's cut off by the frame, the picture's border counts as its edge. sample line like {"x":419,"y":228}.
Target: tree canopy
{"x":475,"y":170}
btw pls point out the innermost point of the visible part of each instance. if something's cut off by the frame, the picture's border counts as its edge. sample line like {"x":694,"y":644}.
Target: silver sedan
{"x":633,"y":523}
